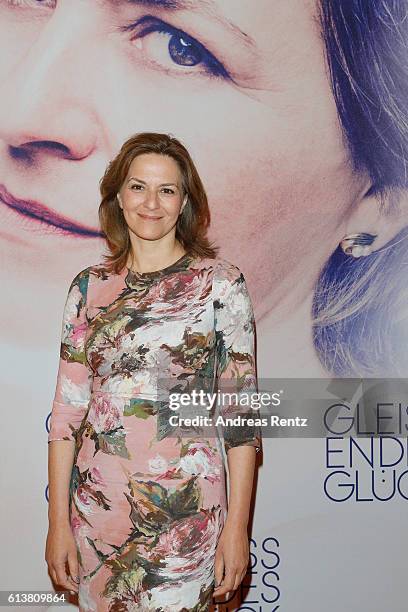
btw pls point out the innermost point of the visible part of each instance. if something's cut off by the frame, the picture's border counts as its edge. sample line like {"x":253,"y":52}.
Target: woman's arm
{"x":69,"y":406}
{"x":233,"y":542}
{"x":236,"y":373}
{"x":241,"y":467}
{"x":60,"y":461}
{"x":60,"y":545}
{"x":74,"y":379}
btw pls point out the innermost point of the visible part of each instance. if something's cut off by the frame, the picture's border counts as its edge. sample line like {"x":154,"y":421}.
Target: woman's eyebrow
{"x":208,"y":7}
{"x":134,"y":178}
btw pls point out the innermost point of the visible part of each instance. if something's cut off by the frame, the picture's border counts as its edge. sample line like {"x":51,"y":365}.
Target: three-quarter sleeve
{"x":74,"y":378}
{"x":236,"y":363}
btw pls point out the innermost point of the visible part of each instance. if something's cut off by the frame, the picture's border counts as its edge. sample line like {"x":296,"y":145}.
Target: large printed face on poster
{"x":246,"y":87}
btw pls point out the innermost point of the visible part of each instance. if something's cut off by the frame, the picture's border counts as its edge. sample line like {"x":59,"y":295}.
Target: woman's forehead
{"x":148,"y":165}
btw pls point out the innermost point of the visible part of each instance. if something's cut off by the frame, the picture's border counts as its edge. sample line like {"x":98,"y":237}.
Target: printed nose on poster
{"x":50,"y":90}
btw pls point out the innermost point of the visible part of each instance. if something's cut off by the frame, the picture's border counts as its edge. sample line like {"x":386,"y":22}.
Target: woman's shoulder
{"x":92,"y":273}
{"x":225,"y":270}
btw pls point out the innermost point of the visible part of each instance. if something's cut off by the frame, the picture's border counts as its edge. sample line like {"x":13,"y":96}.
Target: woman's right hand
{"x":60,"y":549}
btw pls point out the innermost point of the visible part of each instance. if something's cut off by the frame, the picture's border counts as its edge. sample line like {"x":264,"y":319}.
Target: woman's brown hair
{"x":192,"y":224}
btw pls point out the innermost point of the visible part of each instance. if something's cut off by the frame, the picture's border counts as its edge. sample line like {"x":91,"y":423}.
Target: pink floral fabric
{"x":147,"y":505}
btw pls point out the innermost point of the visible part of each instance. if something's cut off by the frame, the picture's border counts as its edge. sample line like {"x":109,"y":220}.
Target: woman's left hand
{"x":231,"y":558}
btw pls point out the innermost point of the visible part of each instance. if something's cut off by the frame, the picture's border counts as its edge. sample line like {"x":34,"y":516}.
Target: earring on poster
{"x":358,"y":245}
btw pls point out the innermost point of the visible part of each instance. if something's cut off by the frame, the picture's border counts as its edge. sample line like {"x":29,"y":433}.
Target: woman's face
{"x":246,"y":90}
{"x":151,"y":197}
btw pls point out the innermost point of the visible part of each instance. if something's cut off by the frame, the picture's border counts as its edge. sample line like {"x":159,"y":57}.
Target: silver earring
{"x":358,"y":245}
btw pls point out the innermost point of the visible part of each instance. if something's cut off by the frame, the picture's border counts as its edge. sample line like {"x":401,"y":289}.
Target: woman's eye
{"x":167,"y":190}
{"x":172,"y":49}
{"x":136,"y":187}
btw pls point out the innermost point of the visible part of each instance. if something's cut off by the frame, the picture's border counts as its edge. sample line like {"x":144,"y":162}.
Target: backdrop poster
{"x":296,"y":115}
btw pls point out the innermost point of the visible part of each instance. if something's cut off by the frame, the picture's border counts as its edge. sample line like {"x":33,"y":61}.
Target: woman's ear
{"x":382,"y":215}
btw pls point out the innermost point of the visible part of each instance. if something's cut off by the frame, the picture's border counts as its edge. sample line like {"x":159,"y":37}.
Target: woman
{"x":304,"y":151}
{"x":148,"y":507}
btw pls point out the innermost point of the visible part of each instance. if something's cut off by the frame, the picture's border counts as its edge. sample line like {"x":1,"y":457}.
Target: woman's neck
{"x":145,"y":262}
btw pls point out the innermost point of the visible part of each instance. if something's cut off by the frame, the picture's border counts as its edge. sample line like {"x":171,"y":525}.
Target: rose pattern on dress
{"x":147,"y":500}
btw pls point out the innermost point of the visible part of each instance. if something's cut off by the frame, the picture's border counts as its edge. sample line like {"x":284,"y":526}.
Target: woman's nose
{"x":152,"y":199}
{"x":46,"y":104}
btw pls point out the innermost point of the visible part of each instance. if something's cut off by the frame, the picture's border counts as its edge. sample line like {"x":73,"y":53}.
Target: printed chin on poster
{"x":244,"y":165}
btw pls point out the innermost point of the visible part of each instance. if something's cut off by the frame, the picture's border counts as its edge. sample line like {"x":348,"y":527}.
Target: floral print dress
{"x":147,"y":505}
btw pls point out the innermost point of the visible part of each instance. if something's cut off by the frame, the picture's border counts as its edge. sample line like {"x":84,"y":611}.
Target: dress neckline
{"x":161,"y":270}
{"x":132,"y":276}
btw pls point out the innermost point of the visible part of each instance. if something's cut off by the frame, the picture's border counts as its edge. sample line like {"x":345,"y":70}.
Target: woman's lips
{"x":147,"y":217}
{"x":39,"y":213}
